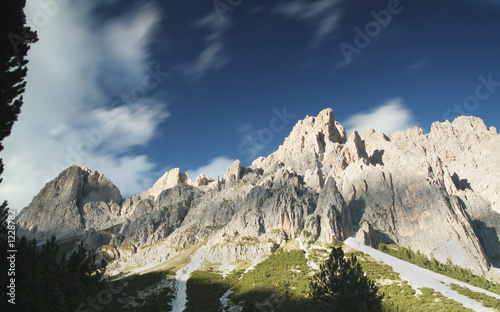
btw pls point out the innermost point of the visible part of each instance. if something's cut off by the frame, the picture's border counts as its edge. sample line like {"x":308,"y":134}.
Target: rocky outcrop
{"x":234,"y":172}
{"x":154,"y":221}
{"x":331,"y":220}
{"x":313,"y":142}
{"x":436,"y":192}
{"x":168,"y":180}
{"x":68,"y":205}
{"x":203,"y":180}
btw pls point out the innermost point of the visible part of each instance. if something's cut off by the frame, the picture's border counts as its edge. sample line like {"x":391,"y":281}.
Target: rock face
{"x":76,"y":200}
{"x":437,"y":193}
{"x":169,"y":179}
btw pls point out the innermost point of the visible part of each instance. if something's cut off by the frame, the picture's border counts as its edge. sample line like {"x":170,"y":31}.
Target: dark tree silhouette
{"x":47,"y":281}
{"x":341,"y":285}
{"x":15,"y":41}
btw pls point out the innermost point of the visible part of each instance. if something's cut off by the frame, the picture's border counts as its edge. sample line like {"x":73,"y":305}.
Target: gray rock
{"x":64,"y":205}
{"x":437,"y":193}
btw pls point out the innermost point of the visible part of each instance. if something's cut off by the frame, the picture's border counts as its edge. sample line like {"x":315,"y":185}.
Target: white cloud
{"x":388,"y":118}
{"x":216,"y":167}
{"x":213,"y":55}
{"x":131,"y":126}
{"x":130,"y":35}
{"x":76,"y":70}
{"x":322,"y":15}
{"x":210,"y":58}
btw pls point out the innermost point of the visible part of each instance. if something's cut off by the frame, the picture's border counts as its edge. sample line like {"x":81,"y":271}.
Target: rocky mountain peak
{"x":322,"y":127}
{"x":170,"y":179}
{"x":311,"y":148}
{"x":203,"y":180}
{"x":234,"y":172}
{"x":61,"y":208}
{"x":436,"y":192}
{"x":464,"y":127}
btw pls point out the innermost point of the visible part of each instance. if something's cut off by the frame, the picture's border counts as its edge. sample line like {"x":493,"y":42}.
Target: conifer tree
{"x":15,"y":40}
{"x":341,"y":285}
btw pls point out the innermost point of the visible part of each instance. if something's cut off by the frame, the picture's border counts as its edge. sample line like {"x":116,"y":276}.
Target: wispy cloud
{"x":417,"y":65}
{"x":129,"y":36}
{"x":213,"y":55}
{"x":321,"y":15}
{"x":216,"y":167}
{"x":70,"y":114}
{"x":388,"y":118}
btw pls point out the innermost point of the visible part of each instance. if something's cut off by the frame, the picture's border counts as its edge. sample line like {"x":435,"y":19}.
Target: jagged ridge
{"x":436,"y":192}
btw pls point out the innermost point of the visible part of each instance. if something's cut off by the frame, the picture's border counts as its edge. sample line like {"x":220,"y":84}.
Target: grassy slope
{"x":486,"y":300}
{"x":281,"y":283}
{"x":449,"y":270}
{"x":140,"y":292}
{"x":399,"y":296}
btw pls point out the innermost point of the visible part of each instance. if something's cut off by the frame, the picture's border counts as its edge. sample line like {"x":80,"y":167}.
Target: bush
{"x":382,"y":247}
{"x":342,"y":285}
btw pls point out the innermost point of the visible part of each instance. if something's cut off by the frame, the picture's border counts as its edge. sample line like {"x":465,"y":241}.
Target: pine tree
{"x":341,"y":285}
{"x":15,"y":41}
{"x":83,"y":276}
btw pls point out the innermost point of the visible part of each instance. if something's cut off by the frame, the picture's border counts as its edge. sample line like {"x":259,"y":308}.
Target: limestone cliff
{"x":77,"y":200}
{"x":437,"y":193}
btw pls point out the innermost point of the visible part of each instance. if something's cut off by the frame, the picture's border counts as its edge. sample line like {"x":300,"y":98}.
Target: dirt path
{"x":418,"y":277}
{"x":181,"y":278}
{"x":301,"y":245}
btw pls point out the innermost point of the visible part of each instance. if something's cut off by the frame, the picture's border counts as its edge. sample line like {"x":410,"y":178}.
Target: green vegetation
{"x":130,"y":294}
{"x":65,"y":247}
{"x":128,"y":247}
{"x":487,"y":301}
{"x":449,"y":270}
{"x":341,"y":283}
{"x":45,"y":281}
{"x":401,"y":297}
{"x":398,"y":295}
{"x":317,"y":255}
{"x":248,"y":240}
{"x":281,"y":282}
{"x":204,"y":288}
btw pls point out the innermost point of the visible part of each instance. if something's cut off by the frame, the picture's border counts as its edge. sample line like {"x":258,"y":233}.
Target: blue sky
{"x":134,"y":88}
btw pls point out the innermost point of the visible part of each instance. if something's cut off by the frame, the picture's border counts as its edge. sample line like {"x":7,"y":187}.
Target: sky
{"x":135,"y":88}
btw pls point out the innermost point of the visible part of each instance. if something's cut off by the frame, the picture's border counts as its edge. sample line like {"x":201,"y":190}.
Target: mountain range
{"x":437,"y":193}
